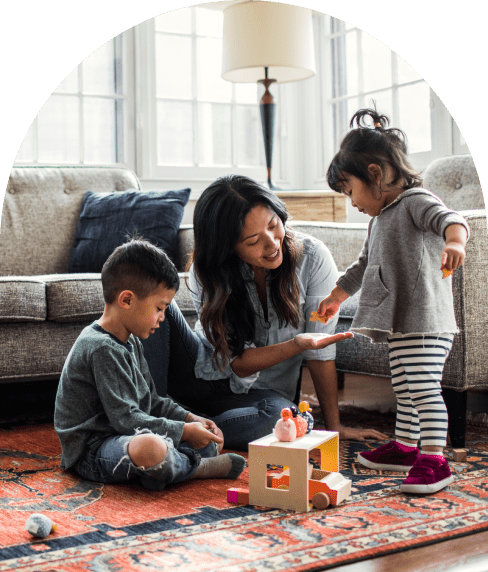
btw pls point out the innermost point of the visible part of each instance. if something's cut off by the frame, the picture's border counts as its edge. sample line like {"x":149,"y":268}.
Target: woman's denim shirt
{"x":317,"y":275}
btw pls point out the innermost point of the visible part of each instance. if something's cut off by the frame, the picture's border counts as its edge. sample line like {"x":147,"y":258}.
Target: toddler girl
{"x":413,"y":241}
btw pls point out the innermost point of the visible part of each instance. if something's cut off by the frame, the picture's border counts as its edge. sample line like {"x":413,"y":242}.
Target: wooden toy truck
{"x":324,"y":488}
{"x":299,"y":483}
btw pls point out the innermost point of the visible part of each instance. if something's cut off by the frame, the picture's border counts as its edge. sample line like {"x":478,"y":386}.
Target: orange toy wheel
{"x":320,"y":500}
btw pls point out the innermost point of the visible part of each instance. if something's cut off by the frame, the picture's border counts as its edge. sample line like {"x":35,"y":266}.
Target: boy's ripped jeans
{"x":108,"y":462}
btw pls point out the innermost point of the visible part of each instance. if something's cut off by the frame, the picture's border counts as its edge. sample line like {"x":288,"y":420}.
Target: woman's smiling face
{"x":261,"y":240}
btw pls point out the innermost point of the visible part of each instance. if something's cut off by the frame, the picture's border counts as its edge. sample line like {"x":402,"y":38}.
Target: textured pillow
{"x":107,"y":218}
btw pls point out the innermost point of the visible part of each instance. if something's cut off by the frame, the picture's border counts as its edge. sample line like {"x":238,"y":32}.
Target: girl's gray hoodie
{"x":398,"y":270}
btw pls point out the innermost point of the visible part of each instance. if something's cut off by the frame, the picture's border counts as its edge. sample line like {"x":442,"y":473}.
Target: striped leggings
{"x":416,"y":363}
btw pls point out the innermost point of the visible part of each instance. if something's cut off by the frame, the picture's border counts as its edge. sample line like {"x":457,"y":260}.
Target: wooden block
{"x":459,"y":455}
{"x":243,"y":496}
{"x":238,"y":496}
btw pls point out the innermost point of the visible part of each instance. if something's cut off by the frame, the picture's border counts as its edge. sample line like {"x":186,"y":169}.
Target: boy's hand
{"x":207,"y":423}
{"x":199,"y":432}
{"x":317,"y":341}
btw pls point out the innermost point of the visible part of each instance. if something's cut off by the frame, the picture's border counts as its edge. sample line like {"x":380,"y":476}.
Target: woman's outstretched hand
{"x":317,"y":341}
{"x":358,"y":434}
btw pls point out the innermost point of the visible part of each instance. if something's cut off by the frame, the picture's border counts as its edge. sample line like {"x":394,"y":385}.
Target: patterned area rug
{"x":192,"y":527}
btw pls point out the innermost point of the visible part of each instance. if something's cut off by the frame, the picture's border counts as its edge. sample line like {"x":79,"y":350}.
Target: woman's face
{"x":261,"y":240}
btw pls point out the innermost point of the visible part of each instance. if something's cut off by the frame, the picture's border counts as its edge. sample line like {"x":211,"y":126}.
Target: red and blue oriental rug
{"x":191,"y":527}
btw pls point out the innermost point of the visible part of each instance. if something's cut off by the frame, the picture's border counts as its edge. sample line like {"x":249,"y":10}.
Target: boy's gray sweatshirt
{"x":106,"y":389}
{"x":398,"y":270}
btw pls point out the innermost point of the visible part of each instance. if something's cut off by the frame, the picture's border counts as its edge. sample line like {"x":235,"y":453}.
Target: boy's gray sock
{"x":227,"y":466}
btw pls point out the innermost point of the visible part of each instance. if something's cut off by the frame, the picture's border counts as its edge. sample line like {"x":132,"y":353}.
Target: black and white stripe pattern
{"x":416,"y":363}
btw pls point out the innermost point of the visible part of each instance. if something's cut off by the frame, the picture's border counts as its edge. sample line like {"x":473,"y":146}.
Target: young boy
{"x":113,"y":426}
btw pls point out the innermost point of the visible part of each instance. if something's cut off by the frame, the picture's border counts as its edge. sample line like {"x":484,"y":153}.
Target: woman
{"x":254,"y":283}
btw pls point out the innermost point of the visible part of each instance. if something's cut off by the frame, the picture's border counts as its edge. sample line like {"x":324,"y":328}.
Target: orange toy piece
{"x":446,"y":272}
{"x":324,"y":488}
{"x":300,"y":423}
{"x":314,"y":317}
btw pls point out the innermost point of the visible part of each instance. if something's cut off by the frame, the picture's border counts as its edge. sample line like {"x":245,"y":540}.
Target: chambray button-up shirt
{"x":317,"y":275}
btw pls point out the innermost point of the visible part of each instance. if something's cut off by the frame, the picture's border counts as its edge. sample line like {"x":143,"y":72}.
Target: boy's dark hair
{"x":372,"y":144}
{"x":138,"y":266}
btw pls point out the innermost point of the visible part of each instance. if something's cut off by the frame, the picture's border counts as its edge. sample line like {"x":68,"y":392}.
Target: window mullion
{"x":196,"y":115}
{"x":81,"y":138}
{"x":36,"y":141}
{"x":359,"y":44}
{"x":395,"y":87}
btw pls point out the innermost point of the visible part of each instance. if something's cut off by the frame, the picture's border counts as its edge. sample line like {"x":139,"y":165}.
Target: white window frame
{"x":124,"y":139}
{"x":445,"y":135}
{"x":195,"y":176}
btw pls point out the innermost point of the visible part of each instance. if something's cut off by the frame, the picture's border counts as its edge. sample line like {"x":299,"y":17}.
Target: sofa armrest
{"x":344,"y":240}
{"x":186,"y":242}
{"x":470,"y":290}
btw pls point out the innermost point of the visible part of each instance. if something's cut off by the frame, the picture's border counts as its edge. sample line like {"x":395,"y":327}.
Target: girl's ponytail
{"x":377,"y":120}
{"x":372,"y":141}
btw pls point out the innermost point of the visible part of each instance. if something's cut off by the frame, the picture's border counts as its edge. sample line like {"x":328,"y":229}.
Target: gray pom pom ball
{"x":39,"y":525}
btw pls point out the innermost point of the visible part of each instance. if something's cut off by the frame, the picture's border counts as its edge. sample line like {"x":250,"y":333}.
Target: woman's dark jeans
{"x":171,"y":353}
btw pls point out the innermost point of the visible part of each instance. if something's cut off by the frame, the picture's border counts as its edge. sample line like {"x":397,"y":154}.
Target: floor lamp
{"x":267,"y":42}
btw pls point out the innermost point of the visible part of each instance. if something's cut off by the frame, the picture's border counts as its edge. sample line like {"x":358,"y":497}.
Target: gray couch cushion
{"x":455,"y":180}
{"x":74,"y":297}
{"x":40,"y":214}
{"x":183,"y":298}
{"x":36,"y":351}
{"x":344,"y":240}
{"x":22,"y":299}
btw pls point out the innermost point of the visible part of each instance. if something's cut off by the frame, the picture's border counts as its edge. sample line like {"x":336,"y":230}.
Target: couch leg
{"x":456,"y":402}
{"x":341,"y":376}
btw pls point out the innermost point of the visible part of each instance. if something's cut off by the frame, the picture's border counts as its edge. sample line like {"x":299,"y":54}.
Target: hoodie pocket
{"x":373,"y":291}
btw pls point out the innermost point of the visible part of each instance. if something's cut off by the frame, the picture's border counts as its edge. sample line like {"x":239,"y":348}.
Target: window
{"x":362,"y":69}
{"x":197,"y":125}
{"x":83,"y":120}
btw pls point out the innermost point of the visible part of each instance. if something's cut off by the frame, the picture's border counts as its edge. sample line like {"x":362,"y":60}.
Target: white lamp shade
{"x":260,"y":34}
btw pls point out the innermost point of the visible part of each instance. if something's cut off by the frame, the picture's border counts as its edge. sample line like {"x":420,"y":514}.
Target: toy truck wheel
{"x":320,"y":500}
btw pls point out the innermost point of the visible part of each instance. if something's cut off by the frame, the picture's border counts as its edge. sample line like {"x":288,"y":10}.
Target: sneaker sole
{"x":426,"y":489}
{"x":383,"y":466}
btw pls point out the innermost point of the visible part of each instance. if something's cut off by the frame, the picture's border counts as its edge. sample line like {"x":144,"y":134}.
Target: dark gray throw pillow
{"x":106,"y":219}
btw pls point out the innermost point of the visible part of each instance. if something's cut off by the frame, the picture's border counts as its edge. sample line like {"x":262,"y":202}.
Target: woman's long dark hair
{"x":372,"y":144}
{"x":228,"y":316}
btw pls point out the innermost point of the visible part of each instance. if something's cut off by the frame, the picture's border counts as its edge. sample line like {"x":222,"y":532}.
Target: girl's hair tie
{"x":377,"y":124}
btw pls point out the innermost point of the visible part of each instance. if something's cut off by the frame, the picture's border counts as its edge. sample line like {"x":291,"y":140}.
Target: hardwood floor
{"x":467,"y":554}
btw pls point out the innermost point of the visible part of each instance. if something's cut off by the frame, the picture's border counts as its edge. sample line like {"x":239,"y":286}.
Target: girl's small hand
{"x":453,"y":255}
{"x":329,"y":306}
{"x":317,"y":341}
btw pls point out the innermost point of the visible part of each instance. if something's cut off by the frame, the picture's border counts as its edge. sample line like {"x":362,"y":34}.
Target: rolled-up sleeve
{"x":319,"y":278}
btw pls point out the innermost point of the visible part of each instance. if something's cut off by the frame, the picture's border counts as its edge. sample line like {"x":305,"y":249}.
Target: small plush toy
{"x":305,"y":412}
{"x":40,"y":525}
{"x":299,"y":421}
{"x":285,"y":429}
